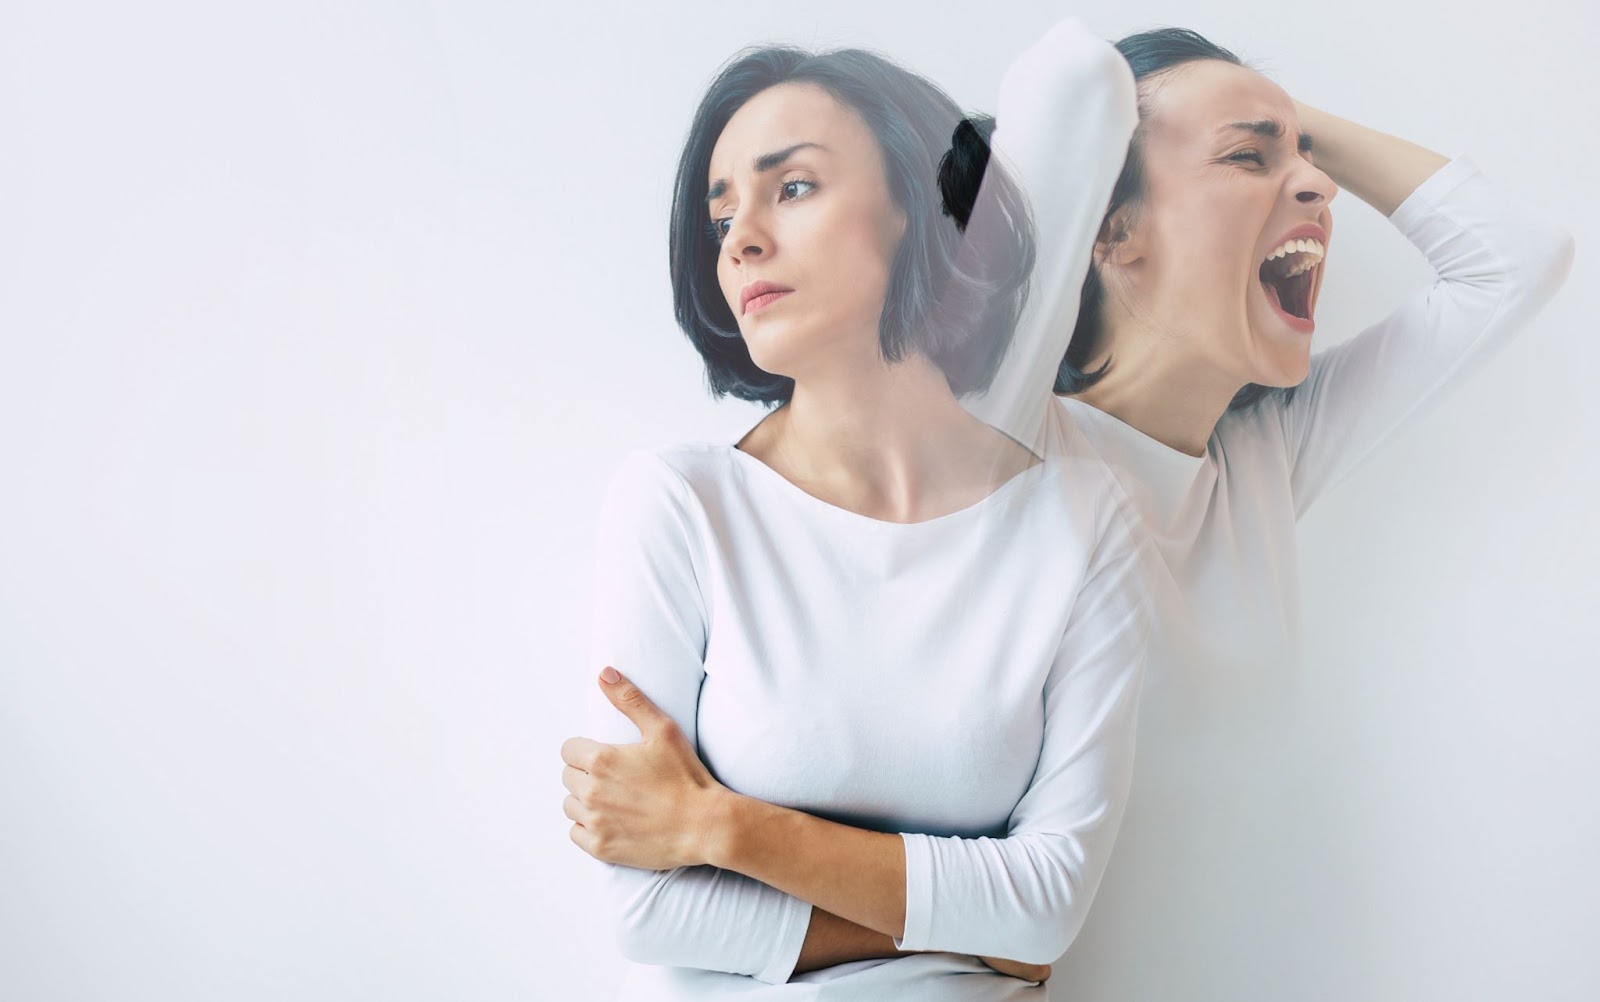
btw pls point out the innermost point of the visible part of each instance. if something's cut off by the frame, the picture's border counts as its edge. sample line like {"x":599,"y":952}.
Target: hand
{"x":1017,"y":969}
{"x":649,"y":805}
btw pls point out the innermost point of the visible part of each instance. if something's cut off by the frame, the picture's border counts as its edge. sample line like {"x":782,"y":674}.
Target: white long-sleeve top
{"x":1184,"y":910}
{"x":969,"y":682}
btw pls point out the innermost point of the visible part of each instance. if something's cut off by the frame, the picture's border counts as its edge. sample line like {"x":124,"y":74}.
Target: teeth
{"x":1310,"y":247}
{"x":1307,"y":246}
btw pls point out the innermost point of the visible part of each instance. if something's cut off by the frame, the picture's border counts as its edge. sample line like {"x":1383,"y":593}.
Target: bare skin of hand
{"x":645,"y":804}
{"x":648,"y":804}
{"x":832,"y":940}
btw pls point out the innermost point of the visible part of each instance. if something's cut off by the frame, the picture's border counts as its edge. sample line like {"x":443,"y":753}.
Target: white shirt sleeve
{"x":650,"y":624}
{"x":1067,"y":110}
{"x":1024,"y":897}
{"x":1496,"y":266}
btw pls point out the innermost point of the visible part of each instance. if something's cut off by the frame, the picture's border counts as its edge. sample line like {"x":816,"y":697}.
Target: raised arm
{"x":1497,"y":266}
{"x":649,"y":623}
{"x":1066,"y":112}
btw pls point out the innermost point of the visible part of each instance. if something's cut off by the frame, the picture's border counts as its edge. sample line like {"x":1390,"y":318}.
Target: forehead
{"x":1193,"y":101}
{"x":780,"y":116}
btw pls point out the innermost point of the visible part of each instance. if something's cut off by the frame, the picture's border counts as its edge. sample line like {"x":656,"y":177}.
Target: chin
{"x":1282,"y":358}
{"x":1285,"y":369}
{"x":781,"y":349}
{"x":1292,"y":374}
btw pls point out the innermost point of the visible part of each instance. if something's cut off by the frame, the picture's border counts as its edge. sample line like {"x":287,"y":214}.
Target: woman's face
{"x":1228,"y":183}
{"x":807,"y":229}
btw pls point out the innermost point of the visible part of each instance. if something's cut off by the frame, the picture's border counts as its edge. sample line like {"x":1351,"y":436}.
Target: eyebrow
{"x":765,"y":162}
{"x":1270,"y":128}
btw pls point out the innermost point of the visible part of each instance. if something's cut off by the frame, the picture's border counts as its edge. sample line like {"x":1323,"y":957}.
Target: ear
{"x":1119,"y":241}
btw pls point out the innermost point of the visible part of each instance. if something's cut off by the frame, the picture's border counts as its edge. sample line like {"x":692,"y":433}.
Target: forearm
{"x":1496,"y":265}
{"x":833,"y":940}
{"x":1380,"y":169}
{"x":855,"y":874}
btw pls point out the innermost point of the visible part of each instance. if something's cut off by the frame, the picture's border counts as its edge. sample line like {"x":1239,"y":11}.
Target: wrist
{"x":722,"y":816}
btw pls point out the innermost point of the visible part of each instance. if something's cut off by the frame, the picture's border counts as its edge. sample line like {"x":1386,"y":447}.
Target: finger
{"x":633,"y":703}
{"x":582,"y":838}
{"x":580,"y":752}
{"x":577,"y":781}
{"x":573,"y":808}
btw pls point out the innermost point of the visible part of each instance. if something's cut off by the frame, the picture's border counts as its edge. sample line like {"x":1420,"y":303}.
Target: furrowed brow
{"x":769,"y":161}
{"x":764,"y":163}
{"x":1269,"y":128}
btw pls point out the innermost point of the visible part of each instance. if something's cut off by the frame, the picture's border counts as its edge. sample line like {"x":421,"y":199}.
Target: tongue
{"x":1272,"y":295}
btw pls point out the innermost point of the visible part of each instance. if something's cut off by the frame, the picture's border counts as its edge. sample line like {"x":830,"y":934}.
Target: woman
{"x":1190,"y":369}
{"x":907,"y":649}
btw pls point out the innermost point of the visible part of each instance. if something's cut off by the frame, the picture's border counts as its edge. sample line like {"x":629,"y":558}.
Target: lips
{"x":759,"y":294}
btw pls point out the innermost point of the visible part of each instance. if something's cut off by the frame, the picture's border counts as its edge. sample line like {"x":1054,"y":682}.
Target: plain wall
{"x":322,"y":326}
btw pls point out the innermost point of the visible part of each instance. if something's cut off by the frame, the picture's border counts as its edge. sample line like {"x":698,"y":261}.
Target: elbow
{"x":1047,"y":942}
{"x":1069,"y":886}
{"x":630,"y":946}
{"x":633,"y":939}
{"x":635,"y":916}
{"x":1052,"y":936}
{"x":1549,"y":267}
{"x":1069,"y":65}
{"x":1523,"y":279}
{"x":1541,"y":260}
{"x":632,"y":936}
{"x":1543,"y":264}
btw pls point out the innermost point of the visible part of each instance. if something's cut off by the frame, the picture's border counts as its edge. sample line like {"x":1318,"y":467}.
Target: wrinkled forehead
{"x":1195,"y":102}
{"x":779,"y":117}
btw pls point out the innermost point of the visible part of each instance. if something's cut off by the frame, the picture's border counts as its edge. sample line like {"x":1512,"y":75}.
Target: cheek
{"x":891,"y":231}
{"x":858,"y":254}
{"x":728,"y":282}
{"x":1233,"y":234}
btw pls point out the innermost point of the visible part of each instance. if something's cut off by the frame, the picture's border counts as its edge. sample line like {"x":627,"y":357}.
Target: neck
{"x":887,"y":439}
{"x":1161,"y":389}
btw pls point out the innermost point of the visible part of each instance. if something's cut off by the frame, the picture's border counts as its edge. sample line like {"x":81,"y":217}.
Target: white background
{"x":322,"y":326}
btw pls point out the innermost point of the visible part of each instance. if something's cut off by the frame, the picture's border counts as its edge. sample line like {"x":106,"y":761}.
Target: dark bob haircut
{"x":1148,"y":53}
{"x":954,"y":291}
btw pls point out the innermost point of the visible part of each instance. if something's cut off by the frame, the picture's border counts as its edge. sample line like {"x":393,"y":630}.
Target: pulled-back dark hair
{"x":954,"y":291}
{"x":1147,"y":53}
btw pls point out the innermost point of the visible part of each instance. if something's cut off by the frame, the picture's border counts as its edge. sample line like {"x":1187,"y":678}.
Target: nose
{"x":746,"y":238}
{"x":1313,"y":186}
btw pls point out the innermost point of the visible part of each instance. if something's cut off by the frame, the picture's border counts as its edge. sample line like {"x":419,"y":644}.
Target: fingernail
{"x":610,"y":675}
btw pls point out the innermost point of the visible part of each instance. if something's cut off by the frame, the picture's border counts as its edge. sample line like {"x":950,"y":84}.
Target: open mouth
{"x":1289,"y":275}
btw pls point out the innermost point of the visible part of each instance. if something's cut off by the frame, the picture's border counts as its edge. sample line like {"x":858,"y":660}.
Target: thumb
{"x":634,"y":704}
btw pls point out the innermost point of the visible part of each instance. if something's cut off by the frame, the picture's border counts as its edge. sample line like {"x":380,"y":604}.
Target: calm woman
{"x":879,"y":662}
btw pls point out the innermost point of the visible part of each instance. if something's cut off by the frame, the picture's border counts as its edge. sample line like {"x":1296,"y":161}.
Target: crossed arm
{"x":768,"y":891}
{"x":699,"y":876}
{"x":653,"y":806}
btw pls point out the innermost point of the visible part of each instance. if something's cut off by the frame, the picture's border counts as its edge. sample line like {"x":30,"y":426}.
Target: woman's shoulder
{"x":679,"y":472}
{"x":690,"y":462}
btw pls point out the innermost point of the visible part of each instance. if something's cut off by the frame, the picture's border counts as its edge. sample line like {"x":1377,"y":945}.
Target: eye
{"x":716,"y":229}
{"x":790,"y":189}
{"x":1250,"y":156}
